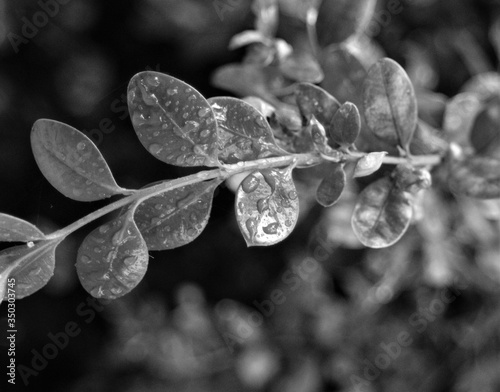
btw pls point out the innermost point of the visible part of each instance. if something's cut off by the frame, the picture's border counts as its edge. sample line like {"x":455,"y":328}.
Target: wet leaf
{"x":113,"y":258}
{"x":71,"y":162}
{"x":344,"y":75}
{"x":340,"y":19}
{"x":302,"y":68}
{"x":346,"y":124}
{"x":476,"y":176}
{"x":176,"y":217}
{"x":244,"y":134}
{"x":331,"y":187}
{"x":369,"y":164}
{"x":485,"y":134}
{"x":267,"y":206}
{"x":173,"y":121}
{"x":260,"y":105}
{"x":459,"y":115}
{"x":411,"y":179}
{"x":382,"y":214}
{"x":15,"y":229}
{"x":390,"y":105}
{"x":315,"y":101}
{"x":31,"y":265}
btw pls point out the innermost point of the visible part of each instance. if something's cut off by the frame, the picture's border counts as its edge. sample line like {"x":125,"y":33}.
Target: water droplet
{"x":88,"y":182}
{"x":77,"y":192}
{"x":117,"y":237}
{"x":180,"y":160}
{"x":272,"y":228}
{"x":191,"y":232}
{"x":292,"y":195}
{"x":241,"y":207}
{"x":205,"y":133}
{"x":250,"y":183}
{"x":129,"y":261}
{"x":261,"y":122}
{"x":156,"y":221}
{"x":97,"y":250}
{"x":155,"y":148}
{"x":156,"y":133}
{"x":158,"y":206}
{"x":251,"y":225}
{"x":192,"y":97}
{"x":85,"y":259}
{"x":191,"y":126}
{"x":103,"y":229}
{"x":188,"y":90}
{"x":97,"y":292}
{"x":193,"y":217}
{"x":203,"y":112}
{"x":262,"y":205}
{"x":185,"y":200}
{"x":185,"y":115}
{"x":288,"y":223}
{"x":270,"y":180}
{"x":172,"y":91}
{"x":106,"y":276}
{"x":81,"y":146}
{"x":116,"y":290}
{"x":200,"y":149}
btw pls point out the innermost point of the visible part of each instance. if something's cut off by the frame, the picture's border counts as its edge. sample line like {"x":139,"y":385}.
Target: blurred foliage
{"x":311,"y":314}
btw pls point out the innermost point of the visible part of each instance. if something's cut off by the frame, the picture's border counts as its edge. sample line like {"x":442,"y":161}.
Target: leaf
{"x":267,"y":206}
{"x":173,"y":121}
{"x":302,"y":68}
{"x":31,"y":266}
{"x":390,"y":105}
{"x":244,"y":134}
{"x":428,"y":140}
{"x":411,"y":179}
{"x":113,"y":258}
{"x":346,"y":124}
{"x":476,"y":176}
{"x":177,"y":217}
{"x":71,"y":162}
{"x":331,"y":187}
{"x":314,"y":101}
{"x":338,"y":20}
{"x":459,"y":115}
{"x":485,"y":134}
{"x":485,"y":85}
{"x":382,"y":214}
{"x":247,"y":79}
{"x":369,"y":164}
{"x":344,"y":75}
{"x":13,"y":229}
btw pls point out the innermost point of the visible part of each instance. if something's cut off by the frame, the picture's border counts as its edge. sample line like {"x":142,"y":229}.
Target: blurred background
{"x":314,"y":313}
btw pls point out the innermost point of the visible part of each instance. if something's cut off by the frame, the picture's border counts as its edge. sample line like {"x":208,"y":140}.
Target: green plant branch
{"x":415,"y":160}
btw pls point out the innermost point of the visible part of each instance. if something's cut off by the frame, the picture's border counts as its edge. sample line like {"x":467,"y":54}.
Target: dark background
{"x":171,"y":333}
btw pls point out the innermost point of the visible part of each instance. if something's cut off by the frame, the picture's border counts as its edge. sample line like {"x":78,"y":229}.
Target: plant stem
{"x":222,"y":173}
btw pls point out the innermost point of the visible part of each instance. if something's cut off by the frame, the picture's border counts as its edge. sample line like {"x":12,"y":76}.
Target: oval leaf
{"x":390,"y":105}
{"x":485,"y":134}
{"x":331,"y":187}
{"x":172,"y":120}
{"x":113,"y":258}
{"x":176,"y":217}
{"x":244,"y":133}
{"x":459,"y":115}
{"x":15,"y":229}
{"x":344,"y":75}
{"x":382,"y":214}
{"x":314,"y":101}
{"x":477,"y":177}
{"x":346,"y":124}
{"x":71,"y":162}
{"x":31,"y":265}
{"x":484,"y":85}
{"x":369,"y":164}
{"x":267,"y":206}
{"x":351,"y":17}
